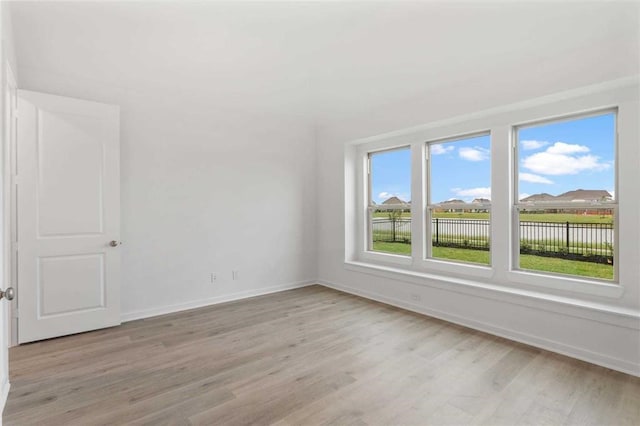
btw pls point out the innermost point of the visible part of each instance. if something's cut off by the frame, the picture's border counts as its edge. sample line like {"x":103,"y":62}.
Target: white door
{"x":68,"y":216}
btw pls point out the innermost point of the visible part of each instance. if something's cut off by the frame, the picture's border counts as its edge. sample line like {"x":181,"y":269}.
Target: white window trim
{"x":363,"y":183}
{"x":531,"y":275}
{"x":500,"y":122}
{"x":428,"y":261}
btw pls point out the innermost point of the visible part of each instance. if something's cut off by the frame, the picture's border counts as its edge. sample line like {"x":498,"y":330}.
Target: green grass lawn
{"x":526,"y":217}
{"x":562,"y":266}
{"x":529,"y":262}
{"x":395,"y":248}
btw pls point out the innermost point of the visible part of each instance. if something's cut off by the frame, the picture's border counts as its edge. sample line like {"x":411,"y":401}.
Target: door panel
{"x":68,"y":211}
{"x":61,"y":295}
{"x":70,"y":189}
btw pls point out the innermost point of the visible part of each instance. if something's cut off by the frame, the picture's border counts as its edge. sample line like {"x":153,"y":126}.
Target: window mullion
{"x":417,"y":202}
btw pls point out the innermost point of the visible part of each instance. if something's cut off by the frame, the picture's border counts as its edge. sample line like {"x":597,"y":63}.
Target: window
{"x":566,"y":199}
{"x":459,"y":199}
{"x":389,"y":202}
{"x":520,"y":197}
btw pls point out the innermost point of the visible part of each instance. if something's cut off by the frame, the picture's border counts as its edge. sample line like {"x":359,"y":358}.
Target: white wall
{"x":210,"y":192}
{"x":9,"y":52}
{"x":603,"y":330}
{"x":203,"y":191}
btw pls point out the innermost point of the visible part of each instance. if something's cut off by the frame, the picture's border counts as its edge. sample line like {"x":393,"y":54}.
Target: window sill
{"x":567,"y":284}
{"x":453,"y":268}
{"x":625,"y":317}
{"x":386,"y":258}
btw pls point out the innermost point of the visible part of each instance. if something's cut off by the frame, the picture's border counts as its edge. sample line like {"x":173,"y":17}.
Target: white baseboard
{"x":162,"y":310}
{"x":537,"y":341}
{"x":3,"y":397}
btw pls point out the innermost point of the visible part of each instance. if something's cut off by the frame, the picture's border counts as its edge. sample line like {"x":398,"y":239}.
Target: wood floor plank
{"x":309,"y":356}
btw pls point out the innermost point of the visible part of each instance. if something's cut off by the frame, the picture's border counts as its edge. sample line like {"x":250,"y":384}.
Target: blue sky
{"x":560,"y":157}
{"x":552,"y":158}
{"x":391,"y":175}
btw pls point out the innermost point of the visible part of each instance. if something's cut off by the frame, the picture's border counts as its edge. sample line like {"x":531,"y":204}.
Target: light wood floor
{"x":306,"y":357}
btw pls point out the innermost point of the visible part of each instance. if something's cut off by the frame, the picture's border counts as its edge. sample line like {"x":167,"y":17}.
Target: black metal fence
{"x":461,"y":233}
{"x":591,"y":242}
{"x":392,"y":230}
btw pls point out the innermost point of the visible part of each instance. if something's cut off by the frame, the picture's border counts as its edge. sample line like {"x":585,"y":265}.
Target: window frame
{"x":518,"y":206}
{"x":363,"y":234}
{"x":370,"y":207}
{"x":427,"y":238}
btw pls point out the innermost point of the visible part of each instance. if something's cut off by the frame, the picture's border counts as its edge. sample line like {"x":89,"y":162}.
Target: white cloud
{"x":531,"y":144}
{"x":474,"y":154}
{"x":546,"y":163}
{"x":530,"y":177}
{"x":473,"y":192}
{"x":562,"y":159}
{"x":438,"y":149}
{"x":523,"y":195}
{"x":566,"y":148}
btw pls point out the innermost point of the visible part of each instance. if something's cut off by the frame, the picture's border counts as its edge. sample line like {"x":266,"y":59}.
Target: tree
{"x":394,"y":216}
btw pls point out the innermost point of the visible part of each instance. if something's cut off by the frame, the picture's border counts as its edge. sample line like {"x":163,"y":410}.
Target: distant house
{"x":575,"y":196}
{"x":585,"y":195}
{"x":539,"y":197}
{"x":394,"y":200}
{"x":455,"y":205}
{"x":578,"y":195}
{"x":481,"y":201}
{"x":452,"y":202}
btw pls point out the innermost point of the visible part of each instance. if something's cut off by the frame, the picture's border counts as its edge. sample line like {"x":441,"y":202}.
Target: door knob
{"x":8,"y":294}
{"x":115,"y":243}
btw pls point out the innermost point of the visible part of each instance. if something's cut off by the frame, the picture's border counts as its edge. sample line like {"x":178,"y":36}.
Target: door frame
{"x":7,"y":135}
{"x":8,"y":202}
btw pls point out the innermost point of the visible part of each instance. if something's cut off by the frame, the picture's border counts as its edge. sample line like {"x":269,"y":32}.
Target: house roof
{"x":540,"y":197}
{"x":585,"y":195}
{"x":575,"y":195}
{"x":394,"y":200}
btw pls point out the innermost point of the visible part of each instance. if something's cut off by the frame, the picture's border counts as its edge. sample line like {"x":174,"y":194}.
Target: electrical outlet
{"x":234,"y":275}
{"x":415,"y":297}
{"x":213,"y":277}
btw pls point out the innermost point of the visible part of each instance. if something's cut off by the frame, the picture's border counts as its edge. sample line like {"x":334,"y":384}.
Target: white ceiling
{"x":325,"y":60}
